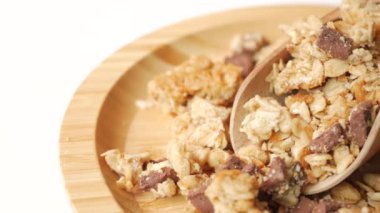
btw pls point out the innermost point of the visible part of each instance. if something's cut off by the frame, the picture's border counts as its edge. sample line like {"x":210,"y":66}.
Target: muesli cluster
{"x":331,"y":87}
{"x":325,"y":89}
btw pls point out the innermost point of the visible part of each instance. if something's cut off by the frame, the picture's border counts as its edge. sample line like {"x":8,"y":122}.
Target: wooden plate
{"x":102,"y":114}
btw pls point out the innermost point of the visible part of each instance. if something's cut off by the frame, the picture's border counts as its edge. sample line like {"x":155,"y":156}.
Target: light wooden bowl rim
{"x":80,"y":146}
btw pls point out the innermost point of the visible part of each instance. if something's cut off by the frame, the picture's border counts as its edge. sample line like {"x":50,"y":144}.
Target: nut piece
{"x":342,"y":158}
{"x":355,"y":209}
{"x":318,"y":104}
{"x":363,"y":186}
{"x":373,"y":180}
{"x":375,"y":196}
{"x":322,"y":172}
{"x":335,"y":44}
{"x":357,"y":70}
{"x":335,"y":67}
{"x":317,"y":159}
{"x":346,"y":193}
{"x":301,"y":109}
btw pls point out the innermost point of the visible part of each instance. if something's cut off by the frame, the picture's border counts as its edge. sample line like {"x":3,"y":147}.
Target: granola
{"x":246,"y":51}
{"x":128,"y":167}
{"x":322,"y":51}
{"x":233,"y":191}
{"x":332,"y":89}
{"x":265,"y":116}
{"x":199,"y":138}
{"x":331,"y":83}
{"x":198,"y":76}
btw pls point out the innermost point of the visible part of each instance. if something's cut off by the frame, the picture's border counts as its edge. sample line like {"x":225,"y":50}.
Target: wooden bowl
{"x":102,"y":114}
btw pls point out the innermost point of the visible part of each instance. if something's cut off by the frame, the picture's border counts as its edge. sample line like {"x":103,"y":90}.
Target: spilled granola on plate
{"x":332,"y":89}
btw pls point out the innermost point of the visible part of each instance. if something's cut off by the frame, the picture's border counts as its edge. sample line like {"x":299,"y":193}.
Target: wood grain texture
{"x":102,"y":114}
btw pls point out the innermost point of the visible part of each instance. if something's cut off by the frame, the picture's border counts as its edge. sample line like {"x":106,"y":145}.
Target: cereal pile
{"x":331,"y":86}
{"x":332,"y":89}
{"x":199,"y":77}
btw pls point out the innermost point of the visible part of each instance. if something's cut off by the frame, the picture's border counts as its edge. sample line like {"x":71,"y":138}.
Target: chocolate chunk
{"x":233,"y":162}
{"x":325,"y":206}
{"x":331,"y":205}
{"x":154,"y":178}
{"x":170,"y":173}
{"x":275,"y":176}
{"x":327,"y":140}
{"x":334,"y":43}
{"x":305,"y":205}
{"x":151,"y":180}
{"x":242,"y":59}
{"x":251,"y":169}
{"x":320,"y":208}
{"x":360,"y":122}
{"x":199,"y":200}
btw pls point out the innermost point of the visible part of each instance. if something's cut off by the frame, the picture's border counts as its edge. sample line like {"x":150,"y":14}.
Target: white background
{"x":46,"y":49}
